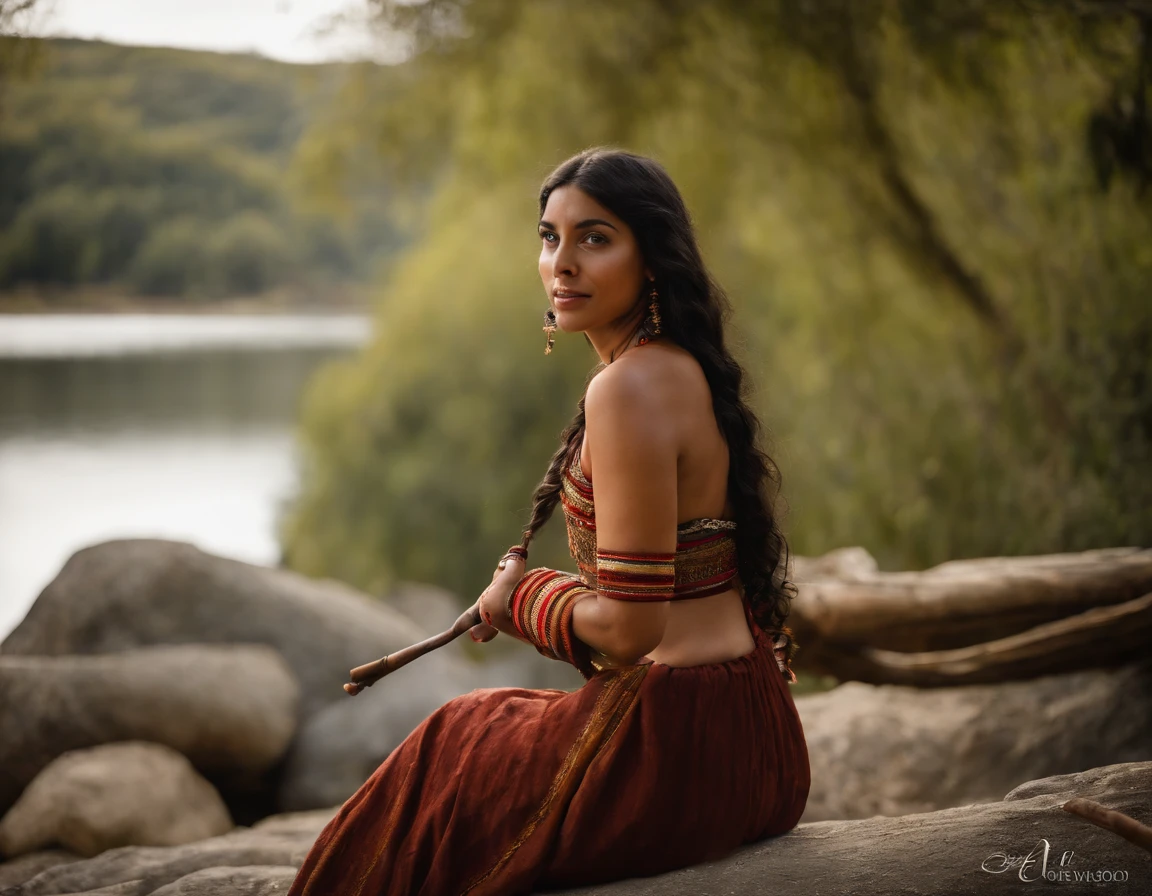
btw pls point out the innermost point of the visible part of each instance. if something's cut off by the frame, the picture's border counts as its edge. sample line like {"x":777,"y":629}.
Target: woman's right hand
{"x":494,"y":599}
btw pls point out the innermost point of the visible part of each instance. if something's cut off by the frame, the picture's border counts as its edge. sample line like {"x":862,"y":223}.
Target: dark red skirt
{"x":644,"y":769}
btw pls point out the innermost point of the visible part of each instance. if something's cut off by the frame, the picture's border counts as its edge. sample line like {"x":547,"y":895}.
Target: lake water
{"x":172,"y":426}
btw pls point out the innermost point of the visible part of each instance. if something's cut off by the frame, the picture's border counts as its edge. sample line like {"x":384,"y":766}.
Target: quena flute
{"x":367,"y":675}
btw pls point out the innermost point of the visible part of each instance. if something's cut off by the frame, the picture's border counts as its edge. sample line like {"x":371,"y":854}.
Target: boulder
{"x":894,"y":750}
{"x":306,"y":824}
{"x":121,"y":594}
{"x":256,"y":880}
{"x":134,"y":592}
{"x":146,"y":869}
{"x":337,"y":749}
{"x":26,"y":867}
{"x":433,"y":609}
{"x":1000,"y":847}
{"x":230,"y":709}
{"x":124,"y":794}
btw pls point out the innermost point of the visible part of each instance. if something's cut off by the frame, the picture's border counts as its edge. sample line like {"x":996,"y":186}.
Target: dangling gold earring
{"x":654,"y":311}
{"x":549,"y":330}
{"x":651,"y":325}
{"x":653,"y":320}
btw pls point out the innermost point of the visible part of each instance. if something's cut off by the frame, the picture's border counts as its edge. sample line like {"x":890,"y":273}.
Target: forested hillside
{"x":169,"y":173}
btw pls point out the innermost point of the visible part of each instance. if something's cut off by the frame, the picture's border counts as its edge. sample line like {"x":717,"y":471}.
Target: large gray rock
{"x":132,"y":592}
{"x":305,"y":824}
{"x":971,"y":850}
{"x":145,"y":870}
{"x":894,"y":750}
{"x":340,"y":747}
{"x":964,"y":851}
{"x":120,"y":594}
{"x":433,"y":609}
{"x":255,"y":880}
{"x":16,"y":871}
{"x":124,"y":794}
{"x":337,"y":749}
{"x":230,"y":709}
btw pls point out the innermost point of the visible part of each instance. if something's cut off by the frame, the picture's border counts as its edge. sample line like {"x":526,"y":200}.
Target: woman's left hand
{"x":494,"y":599}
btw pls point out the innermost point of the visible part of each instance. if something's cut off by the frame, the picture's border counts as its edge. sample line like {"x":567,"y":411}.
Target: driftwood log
{"x":969,"y":621}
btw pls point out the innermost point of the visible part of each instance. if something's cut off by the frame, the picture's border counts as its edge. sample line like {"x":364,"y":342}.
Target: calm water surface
{"x":173,"y":426}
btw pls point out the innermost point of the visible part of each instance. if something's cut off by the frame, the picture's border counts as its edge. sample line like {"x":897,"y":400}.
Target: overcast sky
{"x":281,"y":29}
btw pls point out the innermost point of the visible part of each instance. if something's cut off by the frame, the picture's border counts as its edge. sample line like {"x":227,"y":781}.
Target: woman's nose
{"x":563,"y":261}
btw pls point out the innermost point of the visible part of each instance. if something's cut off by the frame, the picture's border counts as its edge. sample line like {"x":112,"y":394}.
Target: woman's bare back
{"x":706,"y":629}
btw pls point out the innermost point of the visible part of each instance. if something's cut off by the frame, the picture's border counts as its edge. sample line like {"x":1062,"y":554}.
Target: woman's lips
{"x":568,"y":301}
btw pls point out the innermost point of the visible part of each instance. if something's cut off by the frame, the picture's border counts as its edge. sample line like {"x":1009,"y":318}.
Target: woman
{"x":684,"y":742}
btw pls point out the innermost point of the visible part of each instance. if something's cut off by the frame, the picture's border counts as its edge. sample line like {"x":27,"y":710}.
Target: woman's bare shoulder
{"x":662,"y":377}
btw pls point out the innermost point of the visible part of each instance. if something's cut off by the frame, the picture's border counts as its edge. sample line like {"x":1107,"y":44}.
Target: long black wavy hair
{"x":693,"y":311}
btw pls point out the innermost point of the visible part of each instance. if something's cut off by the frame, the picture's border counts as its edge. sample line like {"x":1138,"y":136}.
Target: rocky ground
{"x":1012,"y":846}
{"x":173,"y":722}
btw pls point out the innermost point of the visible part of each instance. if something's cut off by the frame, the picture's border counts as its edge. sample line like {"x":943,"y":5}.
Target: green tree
{"x":247,"y":255}
{"x":52,"y":240}
{"x":143,"y":138}
{"x":173,"y":260}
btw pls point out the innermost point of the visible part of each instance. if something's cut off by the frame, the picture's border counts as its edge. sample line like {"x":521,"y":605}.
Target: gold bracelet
{"x":514,"y":551}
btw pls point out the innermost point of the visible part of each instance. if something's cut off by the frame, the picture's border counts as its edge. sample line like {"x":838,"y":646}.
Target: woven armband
{"x":636,"y":576}
{"x":540,"y":608}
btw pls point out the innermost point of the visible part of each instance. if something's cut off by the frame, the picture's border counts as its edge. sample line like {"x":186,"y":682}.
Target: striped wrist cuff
{"x":541,"y":607}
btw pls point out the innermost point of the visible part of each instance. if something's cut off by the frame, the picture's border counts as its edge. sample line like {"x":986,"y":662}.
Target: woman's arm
{"x":631,"y":433}
{"x":632,"y":437}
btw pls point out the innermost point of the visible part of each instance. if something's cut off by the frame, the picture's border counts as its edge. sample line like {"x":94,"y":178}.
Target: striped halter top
{"x":705,"y":548}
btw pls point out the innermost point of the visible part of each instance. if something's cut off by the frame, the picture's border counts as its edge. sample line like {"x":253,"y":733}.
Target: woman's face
{"x":590,"y":263}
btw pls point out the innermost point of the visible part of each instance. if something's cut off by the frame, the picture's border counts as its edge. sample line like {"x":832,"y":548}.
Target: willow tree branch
{"x":916,"y":230}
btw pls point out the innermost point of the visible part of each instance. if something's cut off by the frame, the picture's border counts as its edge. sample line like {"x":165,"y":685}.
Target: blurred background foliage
{"x":933,"y":219}
{"x":160,"y":172}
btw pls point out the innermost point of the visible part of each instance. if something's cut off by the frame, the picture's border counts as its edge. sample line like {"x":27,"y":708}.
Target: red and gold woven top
{"x":705,"y":558}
